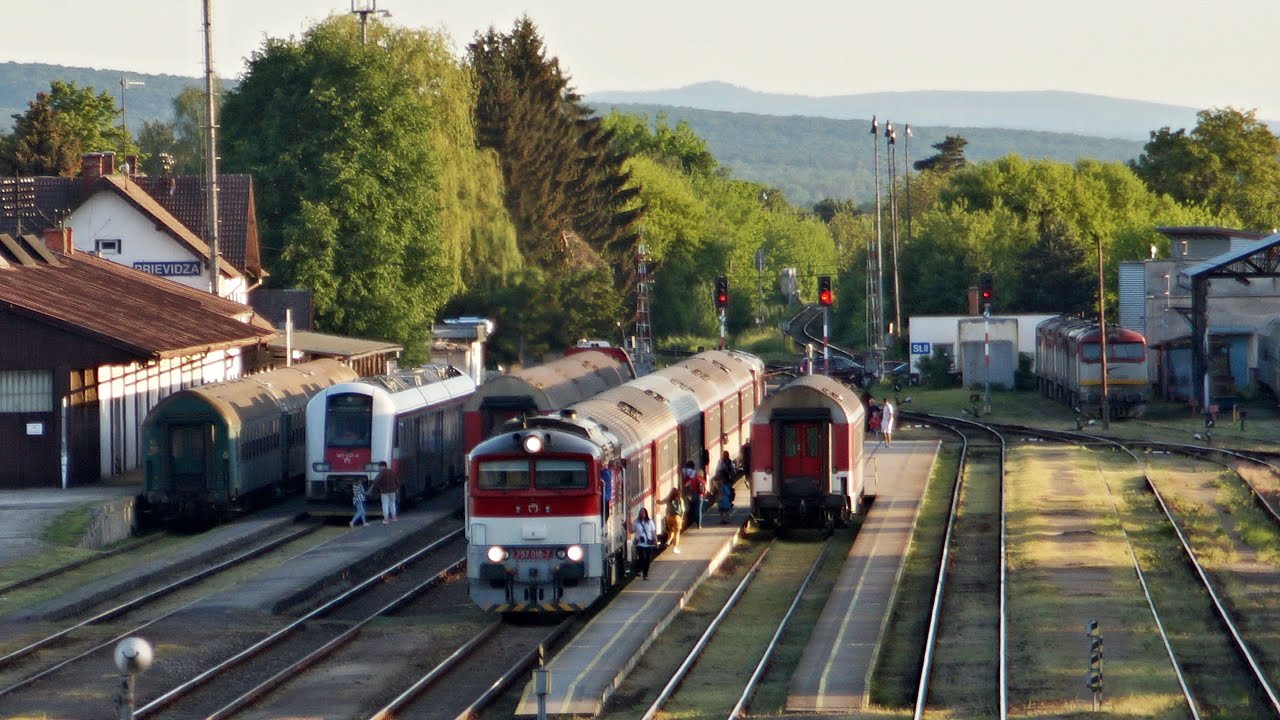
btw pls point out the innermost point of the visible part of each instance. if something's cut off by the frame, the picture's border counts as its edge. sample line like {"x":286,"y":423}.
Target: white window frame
{"x":108,"y":246}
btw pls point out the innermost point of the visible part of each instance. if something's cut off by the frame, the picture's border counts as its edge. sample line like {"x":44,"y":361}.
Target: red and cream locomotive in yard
{"x":807,"y":454}
{"x":1069,"y":365}
{"x":549,"y":497}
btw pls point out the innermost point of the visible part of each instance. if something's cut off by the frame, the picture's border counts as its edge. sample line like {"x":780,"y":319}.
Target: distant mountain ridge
{"x":811,"y":158}
{"x":1044,"y":110}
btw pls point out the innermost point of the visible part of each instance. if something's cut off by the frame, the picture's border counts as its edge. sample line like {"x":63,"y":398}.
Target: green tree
{"x":560,"y":169}
{"x":1230,"y":163}
{"x":41,"y":143}
{"x":346,"y":177}
{"x":950,"y":156}
{"x":183,"y":138}
{"x":1063,"y":283}
{"x":90,"y":117}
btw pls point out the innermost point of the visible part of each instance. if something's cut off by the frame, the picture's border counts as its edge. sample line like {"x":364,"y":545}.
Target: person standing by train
{"x":888,"y":417}
{"x":646,"y":541}
{"x":358,"y":495}
{"x":675,"y":518}
{"x":388,"y":485}
{"x":695,"y":486}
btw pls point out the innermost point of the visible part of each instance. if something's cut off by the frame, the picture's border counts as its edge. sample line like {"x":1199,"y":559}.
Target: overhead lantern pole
{"x":211,"y":140}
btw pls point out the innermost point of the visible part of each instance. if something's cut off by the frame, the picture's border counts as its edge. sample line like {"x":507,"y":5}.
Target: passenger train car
{"x":807,"y":454}
{"x":549,"y":497}
{"x":411,"y":419}
{"x":542,"y":389}
{"x":1069,"y":365}
{"x":217,"y":448}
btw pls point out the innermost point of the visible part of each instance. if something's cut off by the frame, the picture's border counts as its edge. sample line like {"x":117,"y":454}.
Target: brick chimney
{"x":91,"y":166}
{"x":59,"y":239}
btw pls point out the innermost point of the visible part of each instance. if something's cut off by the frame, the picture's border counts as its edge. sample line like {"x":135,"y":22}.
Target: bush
{"x":1023,"y":378}
{"x":935,"y":370}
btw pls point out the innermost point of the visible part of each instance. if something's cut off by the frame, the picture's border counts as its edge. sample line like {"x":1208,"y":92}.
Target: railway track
{"x":972,"y":570}
{"x":95,"y":646}
{"x":82,"y":563}
{"x":1197,"y":690}
{"x":289,"y":651}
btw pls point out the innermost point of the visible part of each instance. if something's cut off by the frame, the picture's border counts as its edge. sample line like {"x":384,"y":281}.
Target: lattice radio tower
{"x":642,"y":353}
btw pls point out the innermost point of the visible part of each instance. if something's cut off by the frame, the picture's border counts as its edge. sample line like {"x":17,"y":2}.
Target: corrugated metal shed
{"x":1133,"y":296}
{"x":145,"y":315}
{"x":335,"y":346}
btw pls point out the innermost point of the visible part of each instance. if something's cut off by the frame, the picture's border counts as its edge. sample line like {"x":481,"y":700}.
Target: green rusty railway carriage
{"x":215,"y":449}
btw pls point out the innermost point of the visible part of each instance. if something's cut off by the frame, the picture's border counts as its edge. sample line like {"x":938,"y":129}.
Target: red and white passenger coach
{"x":549,"y":497}
{"x":807,"y":454}
{"x":412,"y":419}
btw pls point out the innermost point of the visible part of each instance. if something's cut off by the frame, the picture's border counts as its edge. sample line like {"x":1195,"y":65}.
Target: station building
{"x":89,"y":346}
{"x":1243,"y":302}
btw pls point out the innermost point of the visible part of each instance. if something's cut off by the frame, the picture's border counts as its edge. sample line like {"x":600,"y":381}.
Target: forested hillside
{"x":811,"y":158}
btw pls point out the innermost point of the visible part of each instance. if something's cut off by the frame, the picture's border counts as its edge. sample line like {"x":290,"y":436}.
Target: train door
{"x":190,"y":450}
{"x":804,"y":458}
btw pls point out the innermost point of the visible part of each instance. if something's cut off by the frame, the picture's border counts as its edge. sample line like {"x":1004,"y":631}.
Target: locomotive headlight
{"x":576,"y":553}
{"x":496,"y":554}
{"x":320,"y":467}
{"x":532,"y":443}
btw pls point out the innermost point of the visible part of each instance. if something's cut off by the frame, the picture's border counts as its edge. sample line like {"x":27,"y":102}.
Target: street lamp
{"x":126,"y":83}
{"x":133,"y":656}
{"x":365,"y":8}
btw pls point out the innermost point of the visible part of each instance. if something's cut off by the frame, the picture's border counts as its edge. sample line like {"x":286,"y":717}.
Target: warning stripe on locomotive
{"x":536,"y":607}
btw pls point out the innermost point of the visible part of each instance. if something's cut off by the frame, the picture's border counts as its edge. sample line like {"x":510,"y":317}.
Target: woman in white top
{"x":887,"y":421}
{"x":646,"y":541}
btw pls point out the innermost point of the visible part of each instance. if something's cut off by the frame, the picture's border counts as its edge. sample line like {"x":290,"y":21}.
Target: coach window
{"x":561,"y":474}
{"x":503,"y":475}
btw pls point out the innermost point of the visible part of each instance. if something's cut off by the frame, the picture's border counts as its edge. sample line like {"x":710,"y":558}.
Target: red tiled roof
{"x":150,"y":316}
{"x":184,"y":199}
{"x":139,"y":198}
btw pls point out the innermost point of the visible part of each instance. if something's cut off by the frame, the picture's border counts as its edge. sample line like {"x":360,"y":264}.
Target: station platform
{"x":833,"y":675}
{"x":587,"y":670}
{"x":204,"y":548}
{"x":348,"y":556}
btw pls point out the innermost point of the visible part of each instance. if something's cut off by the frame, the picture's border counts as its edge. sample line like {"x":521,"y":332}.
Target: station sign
{"x":169,"y":268}
{"x":920,"y":348}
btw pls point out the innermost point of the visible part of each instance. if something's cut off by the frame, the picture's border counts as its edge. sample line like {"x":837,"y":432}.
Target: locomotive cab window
{"x":503,"y":475}
{"x":561,"y":474}
{"x":350,"y":420}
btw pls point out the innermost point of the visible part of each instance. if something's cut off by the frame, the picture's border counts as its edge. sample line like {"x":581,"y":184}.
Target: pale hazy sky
{"x":1198,"y":53}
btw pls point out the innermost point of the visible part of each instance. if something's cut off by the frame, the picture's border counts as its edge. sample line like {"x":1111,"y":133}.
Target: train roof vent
{"x":630,"y":410}
{"x":680,"y":384}
{"x":569,"y":413}
{"x":656,"y":395}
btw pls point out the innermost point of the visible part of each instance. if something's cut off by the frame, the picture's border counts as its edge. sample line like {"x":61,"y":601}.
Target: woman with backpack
{"x":726,"y":475}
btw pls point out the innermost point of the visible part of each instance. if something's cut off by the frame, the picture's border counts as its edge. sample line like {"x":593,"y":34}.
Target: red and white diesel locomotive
{"x":542,"y":389}
{"x":549,"y":497}
{"x":807,"y":454}
{"x":411,"y":418}
{"x":1069,"y":365}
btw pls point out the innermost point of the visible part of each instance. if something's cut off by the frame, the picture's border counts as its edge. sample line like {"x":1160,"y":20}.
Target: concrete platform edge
{"x":384,"y":554}
{"x":712,"y":566}
{"x":897,"y":579}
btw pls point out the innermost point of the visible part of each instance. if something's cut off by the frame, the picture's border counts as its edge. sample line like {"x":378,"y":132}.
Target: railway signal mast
{"x":987,"y":294}
{"x":721,"y":299}
{"x":826,"y":298}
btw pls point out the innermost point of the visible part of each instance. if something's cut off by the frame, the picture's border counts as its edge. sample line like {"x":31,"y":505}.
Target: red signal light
{"x":825,"y":297}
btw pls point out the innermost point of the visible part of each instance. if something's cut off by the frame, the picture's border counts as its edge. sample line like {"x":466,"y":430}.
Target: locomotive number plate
{"x":532,"y":553}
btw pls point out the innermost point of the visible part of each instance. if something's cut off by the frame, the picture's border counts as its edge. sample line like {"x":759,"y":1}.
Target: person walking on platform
{"x":675,"y":518}
{"x":646,"y":541}
{"x":388,"y":485}
{"x":358,"y":496}
{"x":695,"y":486}
{"x":889,"y":417}
{"x":724,"y":495}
